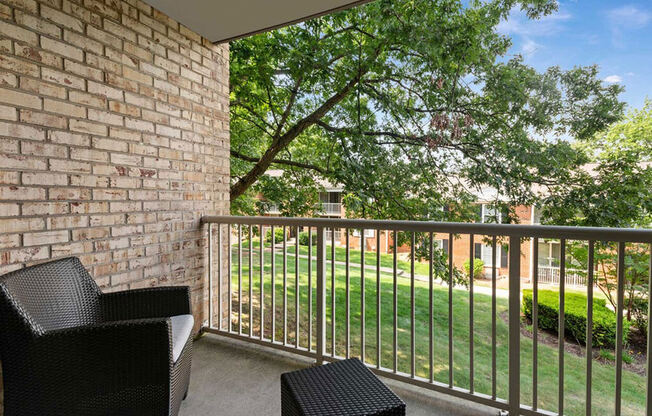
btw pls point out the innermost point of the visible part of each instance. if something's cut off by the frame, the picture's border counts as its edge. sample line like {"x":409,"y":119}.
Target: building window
{"x":490,"y":215}
{"x":367,"y":233}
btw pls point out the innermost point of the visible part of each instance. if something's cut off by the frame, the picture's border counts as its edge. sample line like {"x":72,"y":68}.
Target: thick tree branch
{"x":283,"y":141}
{"x":286,"y":162}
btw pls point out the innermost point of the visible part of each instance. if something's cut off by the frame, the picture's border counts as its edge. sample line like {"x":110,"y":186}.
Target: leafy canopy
{"x":411,"y":105}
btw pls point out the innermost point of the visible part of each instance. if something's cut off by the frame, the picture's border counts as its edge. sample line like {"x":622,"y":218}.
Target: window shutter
{"x":444,"y":243}
{"x":477,"y":251}
{"x":503,"y":256}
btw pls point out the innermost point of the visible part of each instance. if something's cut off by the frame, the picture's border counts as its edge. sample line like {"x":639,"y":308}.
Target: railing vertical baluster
{"x":297,"y":291}
{"x":619,"y":326}
{"x":395,"y":300}
{"x":262,"y":281}
{"x":362,"y":297}
{"x":493,"y":316}
{"x":450,"y":310}
{"x":348,"y":295}
{"x":412,"y":309}
{"x":219,"y":277}
{"x":648,"y":396}
{"x":251,"y":280}
{"x":210,"y":275}
{"x":309,"y":288}
{"x":514,"y":388}
{"x":273,"y":283}
{"x":562,"y":317}
{"x":471,"y":342}
{"x":230,"y":276}
{"x":240,"y":279}
{"x":321,"y":294}
{"x":333,"y":292}
{"x":589,"y":329}
{"x":535,"y":322}
{"x":285,"y":285}
{"x":378,"y":309}
{"x":431,"y":361}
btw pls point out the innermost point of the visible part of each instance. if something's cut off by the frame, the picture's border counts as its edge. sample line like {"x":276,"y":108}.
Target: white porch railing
{"x":330,"y":208}
{"x":551,"y":275}
{"x":306,"y":323}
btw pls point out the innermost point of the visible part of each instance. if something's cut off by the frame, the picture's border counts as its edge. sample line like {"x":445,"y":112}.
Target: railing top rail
{"x":515,"y":230}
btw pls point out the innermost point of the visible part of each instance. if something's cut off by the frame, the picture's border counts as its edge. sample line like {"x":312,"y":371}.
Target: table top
{"x":342,"y":388}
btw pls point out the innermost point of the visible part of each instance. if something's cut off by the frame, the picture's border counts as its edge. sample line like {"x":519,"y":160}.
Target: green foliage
{"x":392,"y":98}
{"x":478,"y":268}
{"x":278,"y":235}
{"x":604,"y":319}
{"x":304,"y":238}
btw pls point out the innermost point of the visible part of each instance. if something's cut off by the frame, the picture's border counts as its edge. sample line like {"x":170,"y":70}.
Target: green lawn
{"x":633,"y":393}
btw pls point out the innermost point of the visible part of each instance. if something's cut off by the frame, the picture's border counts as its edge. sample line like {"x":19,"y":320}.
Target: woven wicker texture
{"x":68,"y":349}
{"x":341,"y":388}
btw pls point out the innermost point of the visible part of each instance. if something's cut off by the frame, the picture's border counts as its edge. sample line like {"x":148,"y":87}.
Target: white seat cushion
{"x":181,"y":329}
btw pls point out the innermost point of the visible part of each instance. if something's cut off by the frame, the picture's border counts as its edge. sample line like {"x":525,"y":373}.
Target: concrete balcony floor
{"x":231,"y":377}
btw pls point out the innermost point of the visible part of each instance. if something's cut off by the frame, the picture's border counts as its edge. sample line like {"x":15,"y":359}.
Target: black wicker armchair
{"x":69,"y":349}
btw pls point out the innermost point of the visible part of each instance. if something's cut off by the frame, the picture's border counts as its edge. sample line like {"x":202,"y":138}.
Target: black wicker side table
{"x":341,"y":388}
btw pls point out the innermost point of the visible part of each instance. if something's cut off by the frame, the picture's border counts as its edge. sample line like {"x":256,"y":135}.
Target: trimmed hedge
{"x":278,"y":235}
{"x":604,"y":319}
{"x":303,"y":238}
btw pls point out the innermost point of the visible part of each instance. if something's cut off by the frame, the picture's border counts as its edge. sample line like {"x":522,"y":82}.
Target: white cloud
{"x":530,"y":47}
{"x":626,"y":18}
{"x":613,"y":79}
{"x":517,"y":23}
{"x":629,"y":17}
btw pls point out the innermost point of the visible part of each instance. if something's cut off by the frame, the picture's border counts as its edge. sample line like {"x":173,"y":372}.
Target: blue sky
{"x":616,"y":35}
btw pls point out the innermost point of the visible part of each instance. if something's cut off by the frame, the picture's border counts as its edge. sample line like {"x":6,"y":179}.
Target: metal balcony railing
{"x":330,"y":208}
{"x":297,"y":310}
{"x":552,"y":274}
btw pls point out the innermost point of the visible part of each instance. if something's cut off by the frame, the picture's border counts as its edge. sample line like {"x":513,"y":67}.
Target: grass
{"x":633,"y":386}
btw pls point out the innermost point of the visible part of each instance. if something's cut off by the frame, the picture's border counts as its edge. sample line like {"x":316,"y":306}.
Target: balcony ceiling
{"x":224,"y":20}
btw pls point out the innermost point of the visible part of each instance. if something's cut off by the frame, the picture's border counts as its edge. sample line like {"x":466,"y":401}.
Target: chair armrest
{"x":156,"y":302}
{"x":79,"y":366}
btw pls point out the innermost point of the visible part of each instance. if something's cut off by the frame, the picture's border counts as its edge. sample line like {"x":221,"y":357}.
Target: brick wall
{"x":114,"y":141}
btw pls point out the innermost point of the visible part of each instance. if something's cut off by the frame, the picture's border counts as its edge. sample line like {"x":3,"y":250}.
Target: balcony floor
{"x":230,"y":377}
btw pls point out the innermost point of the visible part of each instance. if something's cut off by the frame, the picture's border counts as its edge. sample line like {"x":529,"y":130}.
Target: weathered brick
{"x":83,"y":71}
{"x":45,"y":178}
{"x":42,"y":88}
{"x":45,"y":208}
{"x":17,"y":193}
{"x":9,"y":209}
{"x":21,"y":162}
{"x":19,"y":99}
{"x":21,"y":131}
{"x":36,"y":24}
{"x":16,"y":32}
{"x":28,"y":147}
{"x":66,"y":222}
{"x":34,"y":54}
{"x":24,"y":255}
{"x":61,"y":107}
{"x":43,"y":119}
{"x":8,"y":113}
{"x":62,"y":48}
{"x":63,"y":78}
{"x":82,"y":126}
{"x":69,"y":138}
{"x":62,"y":19}
{"x":100,"y":89}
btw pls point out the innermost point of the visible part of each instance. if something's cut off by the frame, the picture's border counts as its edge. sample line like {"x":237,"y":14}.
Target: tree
{"x":613,"y":191}
{"x":411,"y":105}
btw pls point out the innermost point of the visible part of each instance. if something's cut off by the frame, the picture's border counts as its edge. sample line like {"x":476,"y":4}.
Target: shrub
{"x":278,"y":235}
{"x":303,"y":238}
{"x":478,"y":268}
{"x":604,"y":319}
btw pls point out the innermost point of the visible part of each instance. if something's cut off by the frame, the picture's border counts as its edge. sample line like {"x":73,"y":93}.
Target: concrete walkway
{"x":231,"y":377}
